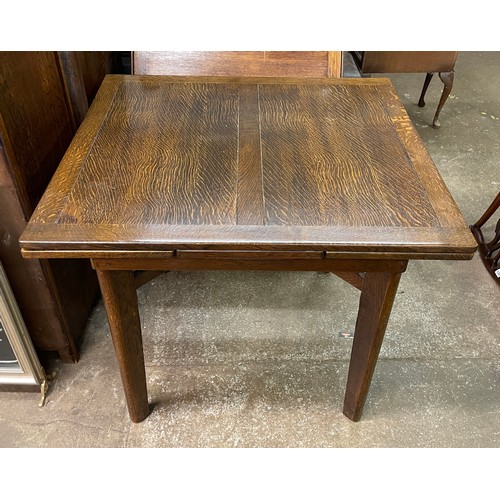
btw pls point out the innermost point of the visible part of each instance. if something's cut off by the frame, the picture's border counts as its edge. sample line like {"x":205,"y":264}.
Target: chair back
{"x":317,"y":64}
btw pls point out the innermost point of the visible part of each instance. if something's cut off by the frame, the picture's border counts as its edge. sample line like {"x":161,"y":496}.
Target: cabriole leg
{"x":447,"y":79}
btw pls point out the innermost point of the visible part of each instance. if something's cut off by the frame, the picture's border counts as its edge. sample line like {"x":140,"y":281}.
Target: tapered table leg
{"x":377,"y":297}
{"x":120,"y":299}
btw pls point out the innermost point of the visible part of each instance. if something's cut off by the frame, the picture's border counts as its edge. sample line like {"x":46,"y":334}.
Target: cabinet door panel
{"x":36,"y":117}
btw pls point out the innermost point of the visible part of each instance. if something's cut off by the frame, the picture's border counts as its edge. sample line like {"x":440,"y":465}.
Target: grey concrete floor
{"x":257,"y":359}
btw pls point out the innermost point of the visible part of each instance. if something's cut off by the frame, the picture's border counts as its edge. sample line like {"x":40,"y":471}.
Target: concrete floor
{"x":257,"y":359}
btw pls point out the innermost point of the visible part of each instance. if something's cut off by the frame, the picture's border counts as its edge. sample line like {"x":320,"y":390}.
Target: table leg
{"x":120,"y":299}
{"x":375,"y":304}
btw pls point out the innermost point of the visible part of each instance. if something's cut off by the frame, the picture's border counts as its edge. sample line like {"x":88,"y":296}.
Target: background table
{"x":190,"y":173}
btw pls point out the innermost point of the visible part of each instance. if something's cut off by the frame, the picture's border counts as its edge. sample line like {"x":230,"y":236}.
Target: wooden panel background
{"x":36,"y":115}
{"x":37,"y":123}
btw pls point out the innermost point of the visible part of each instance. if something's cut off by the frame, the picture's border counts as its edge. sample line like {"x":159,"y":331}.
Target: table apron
{"x":106,"y":254}
{"x":249,"y":264}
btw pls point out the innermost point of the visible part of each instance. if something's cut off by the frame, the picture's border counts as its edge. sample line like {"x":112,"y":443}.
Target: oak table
{"x":186,"y":173}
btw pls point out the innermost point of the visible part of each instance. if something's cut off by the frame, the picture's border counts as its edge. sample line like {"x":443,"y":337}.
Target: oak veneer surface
{"x":170,"y":163}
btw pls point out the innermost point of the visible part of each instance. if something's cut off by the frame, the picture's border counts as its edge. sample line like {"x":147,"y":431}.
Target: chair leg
{"x":428,"y":78}
{"x":447,"y":79}
{"x":495,"y":205}
{"x":489,"y":252}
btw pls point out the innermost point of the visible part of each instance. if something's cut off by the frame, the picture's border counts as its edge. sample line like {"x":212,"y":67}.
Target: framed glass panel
{"x":19,"y":364}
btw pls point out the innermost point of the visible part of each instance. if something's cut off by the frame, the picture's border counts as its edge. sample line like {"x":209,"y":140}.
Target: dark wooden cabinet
{"x":43,"y":98}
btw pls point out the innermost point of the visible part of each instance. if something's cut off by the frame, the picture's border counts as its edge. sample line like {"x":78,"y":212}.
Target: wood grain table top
{"x":168,"y":163}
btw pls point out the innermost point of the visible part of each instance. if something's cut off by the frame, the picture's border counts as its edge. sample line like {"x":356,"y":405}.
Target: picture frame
{"x":25,"y":370}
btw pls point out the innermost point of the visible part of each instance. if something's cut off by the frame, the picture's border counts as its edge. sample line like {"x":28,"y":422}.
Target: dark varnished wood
{"x":157,"y":161}
{"x":143,"y":277}
{"x":33,"y":99}
{"x":378,"y":286}
{"x":427,"y":81}
{"x":250,"y":209}
{"x":93,"y":66}
{"x":248,"y":255}
{"x":37,"y":123}
{"x":489,"y":249}
{"x":250,"y":264}
{"x":407,"y":61}
{"x":120,"y":299}
{"x":29,"y":279}
{"x":488,"y":213}
{"x":446,"y":210}
{"x":74,"y":85}
{"x":353,"y":278}
{"x":268,"y":174}
{"x":375,"y":304}
{"x":447,"y":79}
{"x":71,"y":240}
{"x":234,"y":63}
{"x":186,"y":173}
{"x":316,"y":187}
{"x":82,"y":74}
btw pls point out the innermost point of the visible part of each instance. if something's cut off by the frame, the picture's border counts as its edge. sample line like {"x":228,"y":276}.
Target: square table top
{"x":162,"y":163}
